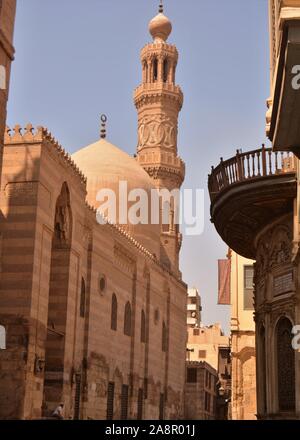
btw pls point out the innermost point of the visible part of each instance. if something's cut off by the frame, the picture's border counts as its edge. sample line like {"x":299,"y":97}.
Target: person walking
{"x":58,"y":413}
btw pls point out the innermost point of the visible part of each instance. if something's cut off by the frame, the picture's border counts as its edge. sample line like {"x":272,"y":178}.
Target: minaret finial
{"x":103,"y":126}
{"x":161,"y":7}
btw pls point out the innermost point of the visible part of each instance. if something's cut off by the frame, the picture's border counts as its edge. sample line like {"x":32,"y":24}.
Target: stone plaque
{"x":21,"y":189}
{"x":283,"y":283}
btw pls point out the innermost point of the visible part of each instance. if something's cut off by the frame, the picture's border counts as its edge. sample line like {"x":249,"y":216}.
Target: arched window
{"x":127,"y":320}
{"x":285,"y":365}
{"x":143,"y":327}
{"x":2,"y":338}
{"x":114,"y":313}
{"x":155,"y":69}
{"x":164,"y":345}
{"x":165,"y":70}
{"x":145,"y":72}
{"x":82,"y":298}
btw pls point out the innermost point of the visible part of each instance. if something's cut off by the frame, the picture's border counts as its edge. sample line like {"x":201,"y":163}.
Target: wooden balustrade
{"x":249,"y":166}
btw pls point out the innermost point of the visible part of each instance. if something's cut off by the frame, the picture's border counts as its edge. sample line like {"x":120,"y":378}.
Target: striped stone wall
{"x":60,"y":355}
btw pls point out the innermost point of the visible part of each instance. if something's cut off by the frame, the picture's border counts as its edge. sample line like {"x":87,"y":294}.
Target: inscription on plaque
{"x":283,"y":283}
{"x":20,"y":189}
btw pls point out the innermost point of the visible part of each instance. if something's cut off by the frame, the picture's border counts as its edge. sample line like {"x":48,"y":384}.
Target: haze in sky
{"x":77,"y":59}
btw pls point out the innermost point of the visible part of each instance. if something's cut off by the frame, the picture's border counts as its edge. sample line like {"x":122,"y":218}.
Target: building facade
{"x":7,"y":21}
{"x":194,"y":308}
{"x":255,"y":209}
{"x":95,"y":314}
{"x":200,"y":391}
{"x":242,"y":328}
{"x":207,"y":346}
{"x":205,"y":343}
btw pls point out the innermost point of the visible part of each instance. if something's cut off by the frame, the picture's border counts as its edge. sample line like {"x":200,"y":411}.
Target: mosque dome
{"x":104,"y":166}
{"x":160,"y":27}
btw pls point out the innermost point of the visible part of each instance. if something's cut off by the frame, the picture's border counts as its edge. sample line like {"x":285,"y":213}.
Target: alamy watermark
{"x":2,"y":78}
{"x":153,"y":206}
{"x":296,"y":338}
{"x":2,"y":338}
{"x":296,"y":78}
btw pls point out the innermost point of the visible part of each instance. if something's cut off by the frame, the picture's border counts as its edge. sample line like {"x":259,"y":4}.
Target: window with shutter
{"x":124,"y":402}
{"x":110,"y":401}
{"x":248,"y":287}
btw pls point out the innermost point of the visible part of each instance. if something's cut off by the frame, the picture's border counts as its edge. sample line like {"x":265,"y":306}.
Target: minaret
{"x":158,"y":101}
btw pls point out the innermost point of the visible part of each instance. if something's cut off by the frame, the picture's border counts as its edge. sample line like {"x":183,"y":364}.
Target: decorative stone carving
{"x":62,"y":223}
{"x":261,"y":261}
{"x":283,"y":283}
{"x":260,"y":273}
{"x":21,"y":189}
{"x":274,"y":256}
{"x":157,"y":131}
{"x":282,"y":308}
{"x":280,"y":249}
{"x":161,"y":172}
{"x":274,"y":249}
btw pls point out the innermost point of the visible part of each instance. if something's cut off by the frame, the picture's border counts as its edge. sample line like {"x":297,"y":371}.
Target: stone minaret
{"x":158,"y":101}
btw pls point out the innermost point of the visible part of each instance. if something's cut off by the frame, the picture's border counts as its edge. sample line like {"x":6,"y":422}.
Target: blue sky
{"x":77,"y":59}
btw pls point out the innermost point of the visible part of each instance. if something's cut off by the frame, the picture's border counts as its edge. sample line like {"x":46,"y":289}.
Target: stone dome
{"x":104,"y":166}
{"x":160,"y":27}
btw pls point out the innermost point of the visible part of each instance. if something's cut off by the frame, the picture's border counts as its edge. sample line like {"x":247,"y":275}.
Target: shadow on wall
{"x":18,"y":196}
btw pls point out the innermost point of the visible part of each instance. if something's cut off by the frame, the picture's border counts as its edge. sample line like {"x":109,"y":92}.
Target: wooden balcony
{"x":248,"y":192}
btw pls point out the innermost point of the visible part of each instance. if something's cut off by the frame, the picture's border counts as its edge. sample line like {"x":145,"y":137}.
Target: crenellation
{"x":30,"y":135}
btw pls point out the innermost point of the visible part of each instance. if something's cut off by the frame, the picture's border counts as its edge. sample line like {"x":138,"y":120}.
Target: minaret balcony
{"x":156,"y":89}
{"x":248,"y":192}
{"x":159,"y":47}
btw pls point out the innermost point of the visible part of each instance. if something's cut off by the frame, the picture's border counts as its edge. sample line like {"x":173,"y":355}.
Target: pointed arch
{"x":145,"y":71}
{"x":114,"y":313}
{"x":127,"y":319}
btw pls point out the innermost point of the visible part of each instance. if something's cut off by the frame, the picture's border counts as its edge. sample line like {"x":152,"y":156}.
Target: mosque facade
{"x":94,"y":314}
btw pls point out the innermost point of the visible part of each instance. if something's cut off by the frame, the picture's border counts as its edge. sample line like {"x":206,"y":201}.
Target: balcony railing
{"x":250,"y":166}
